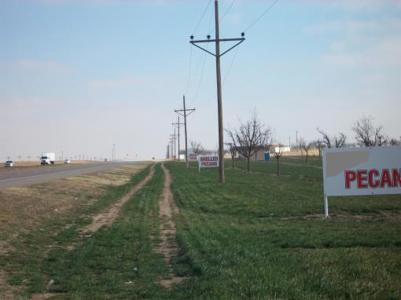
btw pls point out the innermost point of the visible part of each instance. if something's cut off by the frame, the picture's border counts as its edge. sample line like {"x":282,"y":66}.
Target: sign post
{"x":361,"y":171}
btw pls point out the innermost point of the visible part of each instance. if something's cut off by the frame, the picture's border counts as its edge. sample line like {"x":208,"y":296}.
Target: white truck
{"x":47,"y":159}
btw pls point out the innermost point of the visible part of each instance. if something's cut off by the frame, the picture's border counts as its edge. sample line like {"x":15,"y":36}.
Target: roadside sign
{"x":208,"y":161}
{"x":193,"y":157}
{"x":361,"y":171}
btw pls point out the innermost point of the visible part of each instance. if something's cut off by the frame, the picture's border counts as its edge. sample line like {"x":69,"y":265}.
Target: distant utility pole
{"x":172,"y":141}
{"x":113,"y":153}
{"x":185,"y":112}
{"x":178,"y":124}
{"x":218,"y":55}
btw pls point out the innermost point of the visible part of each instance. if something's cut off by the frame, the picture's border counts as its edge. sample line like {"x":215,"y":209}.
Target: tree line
{"x":252,"y":135}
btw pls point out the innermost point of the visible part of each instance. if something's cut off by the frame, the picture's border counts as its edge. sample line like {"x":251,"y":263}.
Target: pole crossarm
{"x":189,"y":111}
{"x":185,"y":112}
{"x":218,"y":54}
{"x":238,"y":40}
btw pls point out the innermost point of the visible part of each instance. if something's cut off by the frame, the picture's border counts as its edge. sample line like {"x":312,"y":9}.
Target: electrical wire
{"x":202,"y":16}
{"x":189,"y":70}
{"x":227,"y":10}
{"x":261,"y":16}
{"x":210,"y":24}
{"x":231,"y":65}
{"x":200,"y":78}
{"x":189,"y":78}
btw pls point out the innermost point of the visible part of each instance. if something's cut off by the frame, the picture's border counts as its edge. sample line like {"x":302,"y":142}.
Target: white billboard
{"x":192,"y":157}
{"x":361,"y":171}
{"x":208,"y":161}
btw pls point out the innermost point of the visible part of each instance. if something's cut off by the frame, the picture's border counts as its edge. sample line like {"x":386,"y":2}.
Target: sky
{"x":77,"y":77}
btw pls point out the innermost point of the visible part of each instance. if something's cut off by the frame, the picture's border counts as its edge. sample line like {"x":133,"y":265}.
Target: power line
{"x":200,"y":78}
{"x":209,"y":32}
{"x":261,"y":16}
{"x":189,"y":77}
{"x":231,"y":65}
{"x":189,"y":70}
{"x":202,"y":16}
{"x":227,"y":10}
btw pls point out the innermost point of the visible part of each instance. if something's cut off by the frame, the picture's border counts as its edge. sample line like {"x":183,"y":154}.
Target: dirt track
{"x":107,"y":217}
{"x":168,"y":245}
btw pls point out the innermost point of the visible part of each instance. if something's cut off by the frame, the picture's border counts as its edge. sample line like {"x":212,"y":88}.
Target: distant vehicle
{"x":47,"y":159}
{"x":67,"y":161}
{"x":9,"y":164}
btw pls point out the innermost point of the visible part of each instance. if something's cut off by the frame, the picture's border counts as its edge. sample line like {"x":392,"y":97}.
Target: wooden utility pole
{"x":172,"y":142}
{"x":185,"y":113}
{"x":217,"y":54}
{"x":219,"y":95}
{"x":178,"y":124}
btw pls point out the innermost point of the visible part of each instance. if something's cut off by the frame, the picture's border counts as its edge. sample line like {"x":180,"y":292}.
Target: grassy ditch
{"x":24,"y":263}
{"x":262,"y":236}
{"x":118,"y":262}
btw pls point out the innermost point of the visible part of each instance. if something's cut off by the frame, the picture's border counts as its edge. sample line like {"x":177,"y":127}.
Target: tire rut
{"x":168,"y":246}
{"x":108,"y":216}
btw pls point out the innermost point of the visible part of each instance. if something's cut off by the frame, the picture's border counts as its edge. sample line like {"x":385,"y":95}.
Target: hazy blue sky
{"x":80,"y":76}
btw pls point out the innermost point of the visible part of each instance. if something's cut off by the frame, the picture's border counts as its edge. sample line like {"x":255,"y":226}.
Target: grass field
{"x":259,"y":236}
{"x":263,"y":236}
{"x":36,"y":219}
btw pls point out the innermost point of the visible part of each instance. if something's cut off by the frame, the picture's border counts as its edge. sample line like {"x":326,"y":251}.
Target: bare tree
{"x":319,"y":145}
{"x":233,"y":153}
{"x":306,"y":147}
{"x":337,"y":141}
{"x":367,"y":134}
{"x":249,"y":137}
{"x":277,"y":155}
{"x":395,"y":142}
{"x":196,"y":147}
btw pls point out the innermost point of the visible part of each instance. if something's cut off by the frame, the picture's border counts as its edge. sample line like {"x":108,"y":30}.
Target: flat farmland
{"x":259,"y":236}
{"x":262,"y":236}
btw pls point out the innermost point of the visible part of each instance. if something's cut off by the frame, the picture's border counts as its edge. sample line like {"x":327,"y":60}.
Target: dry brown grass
{"x":23,"y":209}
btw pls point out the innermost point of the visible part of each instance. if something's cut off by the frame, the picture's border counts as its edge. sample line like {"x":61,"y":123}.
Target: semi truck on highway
{"x":47,"y":159}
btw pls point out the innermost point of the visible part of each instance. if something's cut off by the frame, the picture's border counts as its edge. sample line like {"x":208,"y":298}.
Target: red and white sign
{"x":362,"y":171}
{"x":208,"y":161}
{"x":192,"y":157}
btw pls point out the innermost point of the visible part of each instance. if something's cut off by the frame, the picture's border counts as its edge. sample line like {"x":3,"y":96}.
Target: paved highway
{"x":30,"y":175}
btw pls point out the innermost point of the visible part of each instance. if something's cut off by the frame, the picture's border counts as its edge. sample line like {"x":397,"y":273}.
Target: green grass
{"x":25,"y":263}
{"x":261,"y":236}
{"x":117,"y":262}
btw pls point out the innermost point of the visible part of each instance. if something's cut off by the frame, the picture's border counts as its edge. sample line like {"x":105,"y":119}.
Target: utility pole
{"x":113,"y":153}
{"x":185,"y":112}
{"x":217,"y":54}
{"x":178,"y":124}
{"x":173,"y":140}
